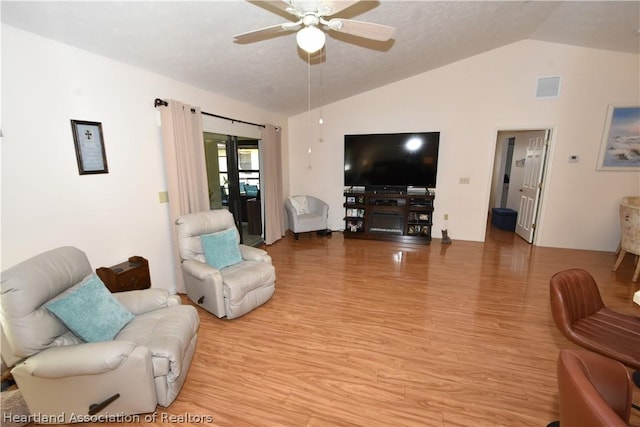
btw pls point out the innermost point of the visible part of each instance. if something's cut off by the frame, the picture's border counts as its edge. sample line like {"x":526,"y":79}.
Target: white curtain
{"x":185,"y":167}
{"x":272,"y":180}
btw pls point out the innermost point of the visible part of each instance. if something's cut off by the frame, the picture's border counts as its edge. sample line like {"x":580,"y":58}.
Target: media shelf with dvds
{"x":401,"y":217}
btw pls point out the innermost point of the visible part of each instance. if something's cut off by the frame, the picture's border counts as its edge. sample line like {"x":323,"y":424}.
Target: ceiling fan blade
{"x":283,"y":5}
{"x":329,"y":8}
{"x":280,"y":4}
{"x":266,"y":32}
{"x":367,"y":30}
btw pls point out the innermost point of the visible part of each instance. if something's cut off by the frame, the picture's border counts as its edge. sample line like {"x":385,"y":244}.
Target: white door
{"x":531,"y":186}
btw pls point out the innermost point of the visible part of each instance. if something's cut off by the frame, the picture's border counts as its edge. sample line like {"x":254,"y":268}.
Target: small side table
{"x":130,"y":275}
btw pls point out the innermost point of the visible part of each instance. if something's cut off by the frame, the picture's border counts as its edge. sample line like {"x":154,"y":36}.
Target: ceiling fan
{"x":311,"y":21}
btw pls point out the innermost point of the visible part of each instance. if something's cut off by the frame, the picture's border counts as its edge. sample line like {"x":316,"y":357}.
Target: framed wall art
{"x":620,"y":146}
{"x":89,"y":143}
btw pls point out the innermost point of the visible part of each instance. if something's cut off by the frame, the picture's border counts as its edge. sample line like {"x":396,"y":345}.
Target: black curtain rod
{"x":164,"y":103}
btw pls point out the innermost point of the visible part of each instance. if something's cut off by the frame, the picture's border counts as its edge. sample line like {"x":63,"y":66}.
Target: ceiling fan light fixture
{"x":310,"y":39}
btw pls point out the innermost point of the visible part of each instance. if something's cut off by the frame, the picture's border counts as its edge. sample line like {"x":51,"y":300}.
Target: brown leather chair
{"x":594,"y":390}
{"x":582,"y":317}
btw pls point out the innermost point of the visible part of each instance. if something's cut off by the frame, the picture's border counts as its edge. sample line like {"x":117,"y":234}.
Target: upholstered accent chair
{"x":80,"y":350}
{"x":306,"y":213}
{"x":223,"y":276}
{"x":629,"y":211}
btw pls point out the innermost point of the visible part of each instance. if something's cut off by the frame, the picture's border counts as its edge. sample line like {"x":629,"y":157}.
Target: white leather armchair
{"x":306,"y":213}
{"x":62,"y":378}
{"x":231,"y":291}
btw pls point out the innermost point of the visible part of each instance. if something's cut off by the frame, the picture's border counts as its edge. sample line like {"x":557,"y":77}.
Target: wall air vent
{"x":548,"y":87}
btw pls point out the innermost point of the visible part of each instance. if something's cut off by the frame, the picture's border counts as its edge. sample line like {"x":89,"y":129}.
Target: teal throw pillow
{"x":91,"y":312}
{"x":221,"y":249}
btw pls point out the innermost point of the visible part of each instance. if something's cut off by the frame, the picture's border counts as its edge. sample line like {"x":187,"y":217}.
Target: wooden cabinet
{"x":419,"y":216}
{"x":130,"y":275}
{"x":400,"y":217}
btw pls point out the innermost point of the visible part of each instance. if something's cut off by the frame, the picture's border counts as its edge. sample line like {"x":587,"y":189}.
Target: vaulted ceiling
{"x":193,"y":41}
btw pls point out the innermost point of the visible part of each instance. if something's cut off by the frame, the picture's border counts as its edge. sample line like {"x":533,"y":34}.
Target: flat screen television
{"x":391,"y":160}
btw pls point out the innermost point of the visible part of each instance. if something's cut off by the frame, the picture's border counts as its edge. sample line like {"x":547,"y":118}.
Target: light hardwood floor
{"x":366,"y":333}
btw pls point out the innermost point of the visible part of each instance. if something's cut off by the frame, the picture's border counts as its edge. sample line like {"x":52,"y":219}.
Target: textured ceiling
{"x":193,"y":41}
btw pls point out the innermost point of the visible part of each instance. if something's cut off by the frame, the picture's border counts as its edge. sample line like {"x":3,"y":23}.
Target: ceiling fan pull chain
{"x":309,"y":107}
{"x":323,"y":59}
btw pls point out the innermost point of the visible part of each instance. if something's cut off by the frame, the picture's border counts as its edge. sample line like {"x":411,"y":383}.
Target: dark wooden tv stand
{"x":398,"y":217}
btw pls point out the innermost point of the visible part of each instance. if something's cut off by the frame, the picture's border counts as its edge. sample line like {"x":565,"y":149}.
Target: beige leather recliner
{"x":231,"y":291}
{"x":64,"y":379}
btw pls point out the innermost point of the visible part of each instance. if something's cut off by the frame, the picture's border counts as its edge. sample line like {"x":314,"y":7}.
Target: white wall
{"x":469,"y":102}
{"x":499,"y":170}
{"x":45,"y":202}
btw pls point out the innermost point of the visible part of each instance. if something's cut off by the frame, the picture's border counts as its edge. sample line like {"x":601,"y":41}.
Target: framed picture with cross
{"x":89,"y":143}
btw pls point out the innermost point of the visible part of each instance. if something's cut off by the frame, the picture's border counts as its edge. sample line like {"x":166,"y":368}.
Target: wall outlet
{"x":163,"y":197}
{"x":465,"y":180}
{"x":446,"y":217}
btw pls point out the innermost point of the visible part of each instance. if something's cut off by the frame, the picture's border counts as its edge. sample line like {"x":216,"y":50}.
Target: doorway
{"x":233,"y":175}
{"x":518,"y":173}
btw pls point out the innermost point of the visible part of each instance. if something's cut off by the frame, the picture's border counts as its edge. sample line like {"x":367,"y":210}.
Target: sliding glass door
{"x":233,"y":172}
